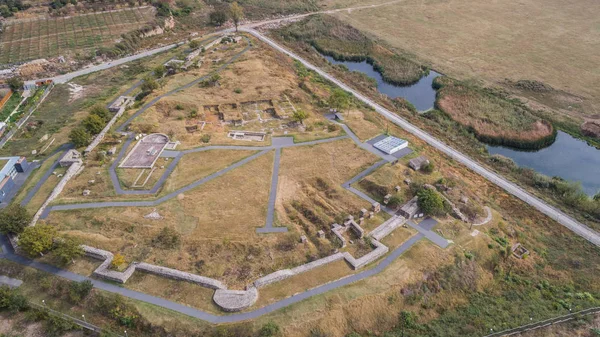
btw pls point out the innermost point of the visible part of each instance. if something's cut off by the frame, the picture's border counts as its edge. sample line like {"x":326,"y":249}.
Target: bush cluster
{"x":93,"y":124}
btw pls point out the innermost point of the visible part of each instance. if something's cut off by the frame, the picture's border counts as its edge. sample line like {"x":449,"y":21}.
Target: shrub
{"x":332,"y":127}
{"x":80,"y":137}
{"x":66,"y":250}
{"x":168,"y":238}
{"x":79,"y":290}
{"x":194,"y":44}
{"x":93,"y":124}
{"x":118,"y":260}
{"x":237,"y":90}
{"x":14,"y":219}
{"x":205,"y":138}
{"x":394,"y":202}
{"x":12,"y":300}
{"x":160,"y":70}
{"x":15,"y":83}
{"x":269,"y":330}
{"x":428,"y":168}
{"x":101,"y":111}
{"x":149,"y":84}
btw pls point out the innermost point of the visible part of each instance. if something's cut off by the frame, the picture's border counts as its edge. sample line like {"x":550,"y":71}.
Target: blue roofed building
{"x":11,"y":168}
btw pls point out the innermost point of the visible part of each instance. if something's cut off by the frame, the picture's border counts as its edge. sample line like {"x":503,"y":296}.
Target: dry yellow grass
{"x":308,"y":280}
{"x":549,"y":41}
{"x":195,"y":166}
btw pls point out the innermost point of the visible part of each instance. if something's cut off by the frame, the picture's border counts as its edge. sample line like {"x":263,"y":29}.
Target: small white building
{"x":391,"y":144}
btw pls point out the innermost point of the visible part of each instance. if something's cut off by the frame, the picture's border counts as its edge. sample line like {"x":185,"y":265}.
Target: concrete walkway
{"x":11,"y":282}
{"x":272,"y":198}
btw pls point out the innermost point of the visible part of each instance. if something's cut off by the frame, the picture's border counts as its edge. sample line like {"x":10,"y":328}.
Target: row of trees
{"x":39,"y":239}
{"x":91,"y":125}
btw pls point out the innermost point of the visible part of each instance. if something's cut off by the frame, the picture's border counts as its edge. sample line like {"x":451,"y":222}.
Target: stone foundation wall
{"x":380,"y":250}
{"x":180,"y":275}
{"x":99,"y":137}
{"x":387,"y":227}
{"x":71,"y":172}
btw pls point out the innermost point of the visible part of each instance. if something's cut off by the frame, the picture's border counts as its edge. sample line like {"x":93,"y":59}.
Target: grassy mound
{"x":493,"y":119}
{"x":345,"y":43}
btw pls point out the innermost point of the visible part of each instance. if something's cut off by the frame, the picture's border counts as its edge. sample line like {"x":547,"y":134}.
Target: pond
{"x":420,"y":94}
{"x":568,"y":157}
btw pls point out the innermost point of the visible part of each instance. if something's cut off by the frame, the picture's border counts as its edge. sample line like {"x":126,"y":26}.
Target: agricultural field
{"x":489,"y":42}
{"x":51,"y":37}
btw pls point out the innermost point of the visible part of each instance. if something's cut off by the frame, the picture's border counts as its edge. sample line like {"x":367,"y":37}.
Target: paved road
{"x":575,"y":226}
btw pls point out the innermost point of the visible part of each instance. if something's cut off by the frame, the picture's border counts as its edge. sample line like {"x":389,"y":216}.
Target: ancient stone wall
{"x":71,"y":172}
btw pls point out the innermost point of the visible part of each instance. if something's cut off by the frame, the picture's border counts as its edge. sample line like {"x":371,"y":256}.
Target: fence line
{"x":82,"y":323}
{"x":545,"y":323}
{"x":23,"y":120}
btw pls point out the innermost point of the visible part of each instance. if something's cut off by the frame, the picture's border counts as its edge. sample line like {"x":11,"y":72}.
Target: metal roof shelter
{"x":391,"y":144}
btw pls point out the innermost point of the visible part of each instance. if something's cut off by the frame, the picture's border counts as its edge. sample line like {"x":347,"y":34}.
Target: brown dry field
{"x":549,"y":41}
{"x":261,"y":74}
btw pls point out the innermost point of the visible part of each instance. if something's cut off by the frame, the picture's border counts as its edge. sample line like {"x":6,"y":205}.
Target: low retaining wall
{"x":103,"y":270}
{"x":181,"y":276}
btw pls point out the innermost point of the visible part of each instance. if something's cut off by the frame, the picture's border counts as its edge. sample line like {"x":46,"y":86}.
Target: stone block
{"x":376,"y":207}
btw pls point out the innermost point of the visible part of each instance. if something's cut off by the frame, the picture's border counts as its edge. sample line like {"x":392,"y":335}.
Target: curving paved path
{"x":8,"y":254}
{"x":565,"y":220}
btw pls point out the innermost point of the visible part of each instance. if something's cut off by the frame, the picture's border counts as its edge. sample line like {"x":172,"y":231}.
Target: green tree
{"x":15,"y":83}
{"x":14,"y":219}
{"x":80,"y":137}
{"x":237,"y":14}
{"x":218,"y":17}
{"x":597,"y":197}
{"x":67,"y":250}
{"x":160,"y":70}
{"x":299,"y":116}
{"x":101,"y":111}
{"x":93,"y":124}
{"x":430,"y":202}
{"x":269,"y":330}
{"x":149,"y":84}
{"x":35,"y":240}
{"x":339,"y":99}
